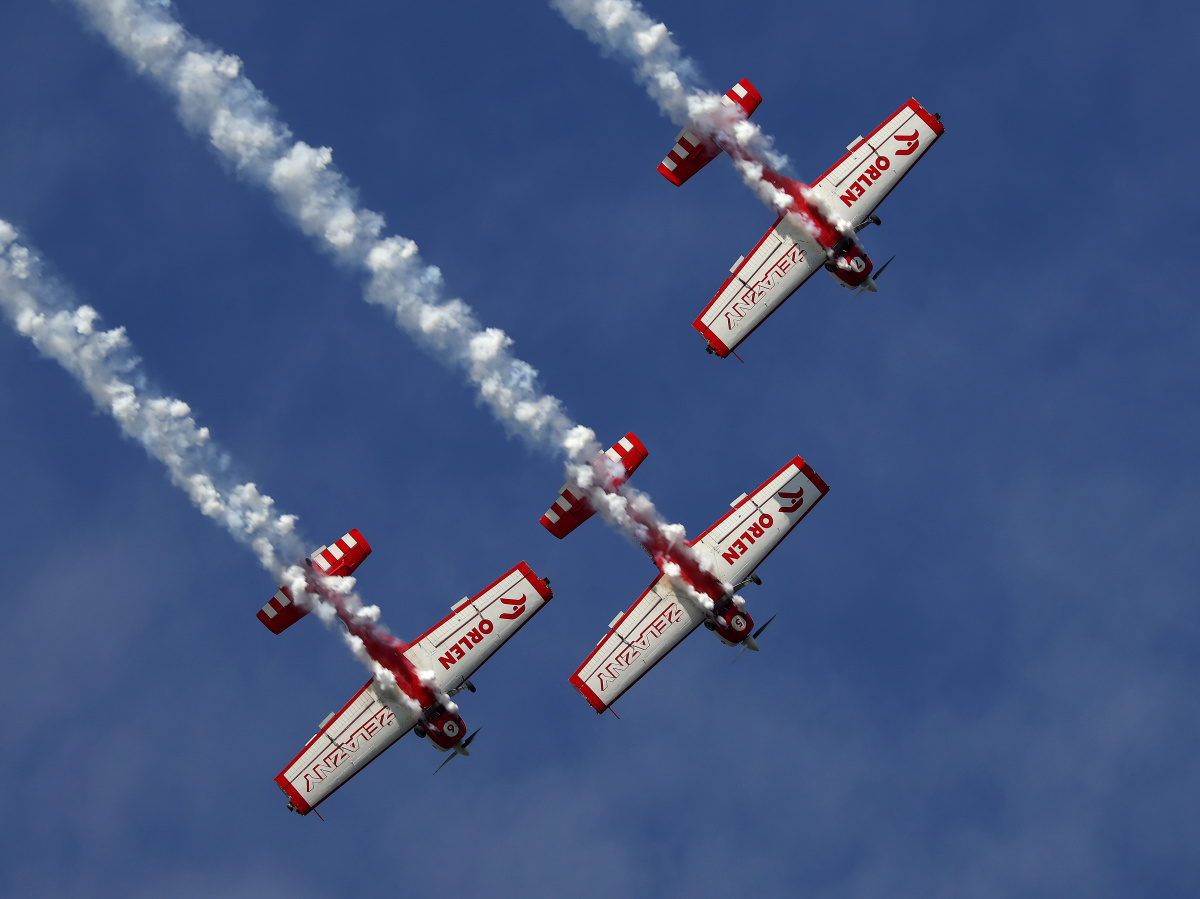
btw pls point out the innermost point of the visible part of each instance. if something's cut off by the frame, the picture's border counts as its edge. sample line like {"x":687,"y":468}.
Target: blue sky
{"x":982,"y":678}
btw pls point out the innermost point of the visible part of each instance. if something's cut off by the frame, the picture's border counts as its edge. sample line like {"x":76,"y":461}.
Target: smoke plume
{"x":621,"y":28}
{"x":105,"y":364}
{"x":217,"y":100}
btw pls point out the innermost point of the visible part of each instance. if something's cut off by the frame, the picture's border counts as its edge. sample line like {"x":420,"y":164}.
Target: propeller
{"x":462,"y":748}
{"x":751,"y":641}
{"x":870,"y":285}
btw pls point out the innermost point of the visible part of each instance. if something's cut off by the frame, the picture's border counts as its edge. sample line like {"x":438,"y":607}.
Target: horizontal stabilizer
{"x":570,"y":511}
{"x":339,"y":560}
{"x":691,"y":152}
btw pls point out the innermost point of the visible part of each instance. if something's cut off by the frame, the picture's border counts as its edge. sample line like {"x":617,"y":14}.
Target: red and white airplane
{"x":427,"y":672}
{"x":819,"y":227}
{"x":698,"y":580}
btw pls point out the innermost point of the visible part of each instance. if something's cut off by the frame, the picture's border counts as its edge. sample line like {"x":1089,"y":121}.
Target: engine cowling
{"x":851,"y":267}
{"x":445,"y":729}
{"x":731,"y":624}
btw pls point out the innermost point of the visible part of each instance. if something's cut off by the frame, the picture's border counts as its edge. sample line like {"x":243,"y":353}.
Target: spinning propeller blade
{"x":460,"y":749}
{"x":871,"y":285}
{"x":764,"y":627}
{"x":751,"y":641}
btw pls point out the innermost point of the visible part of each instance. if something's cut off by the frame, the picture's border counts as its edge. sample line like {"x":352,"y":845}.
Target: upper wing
{"x":635,"y":642}
{"x":339,"y":560}
{"x":462,"y":641}
{"x":570,"y":511}
{"x":738,"y":542}
{"x":691,"y":152}
{"x":780,"y":262}
{"x":347,"y":741}
{"x":860,"y":180}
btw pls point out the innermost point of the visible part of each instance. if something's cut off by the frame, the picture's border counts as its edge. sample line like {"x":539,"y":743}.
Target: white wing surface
{"x":860,"y":180}
{"x":635,"y":643}
{"x":783,"y":260}
{"x":462,"y":641}
{"x":747,"y":534}
{"x":346,"y":743}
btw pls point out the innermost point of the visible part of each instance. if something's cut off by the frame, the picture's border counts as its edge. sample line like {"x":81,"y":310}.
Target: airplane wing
{"x":346,"y":743}
{"x":477,"y":626}
{"x":783,"y":260}
{"x":858,"y":182}
{"x":339,"y":560}
{"x":636,"y":641}
{"x":738,"y":542}
{"x":570,"y":511}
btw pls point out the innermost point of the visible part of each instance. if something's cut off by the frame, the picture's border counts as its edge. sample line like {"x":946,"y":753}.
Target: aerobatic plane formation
{"x":698,"y":580}
{"x":817,"y":228}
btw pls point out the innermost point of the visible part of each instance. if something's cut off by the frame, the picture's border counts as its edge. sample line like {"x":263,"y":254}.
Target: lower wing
{"x":455,"y":647}
{"x":739,"y":541}
{"x":636,"y":641}
{"x":783,"y":260}
{"x":860,"y":180}
{"x":347,"y":742}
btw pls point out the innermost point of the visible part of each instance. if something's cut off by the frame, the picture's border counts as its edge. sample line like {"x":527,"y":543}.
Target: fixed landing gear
{"x":871,"y":219}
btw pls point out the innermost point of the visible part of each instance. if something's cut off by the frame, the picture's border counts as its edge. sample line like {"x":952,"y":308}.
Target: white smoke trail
{"x":216,"y":99}
{"x":672,"y":80}
{"x":622,"y":28}
{"x":104,"y":363}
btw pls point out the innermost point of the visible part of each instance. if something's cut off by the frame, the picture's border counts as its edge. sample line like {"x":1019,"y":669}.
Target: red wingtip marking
{"x":637,"y":444}
{"x":752,"y":91}
{"x":587,"y":693}
{"x":669,"y":175}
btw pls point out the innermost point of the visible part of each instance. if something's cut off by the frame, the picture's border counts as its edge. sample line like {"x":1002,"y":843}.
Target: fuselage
{"x":731,"y":623}
{"x":439,"y":719}
{"x":845,"y":259}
